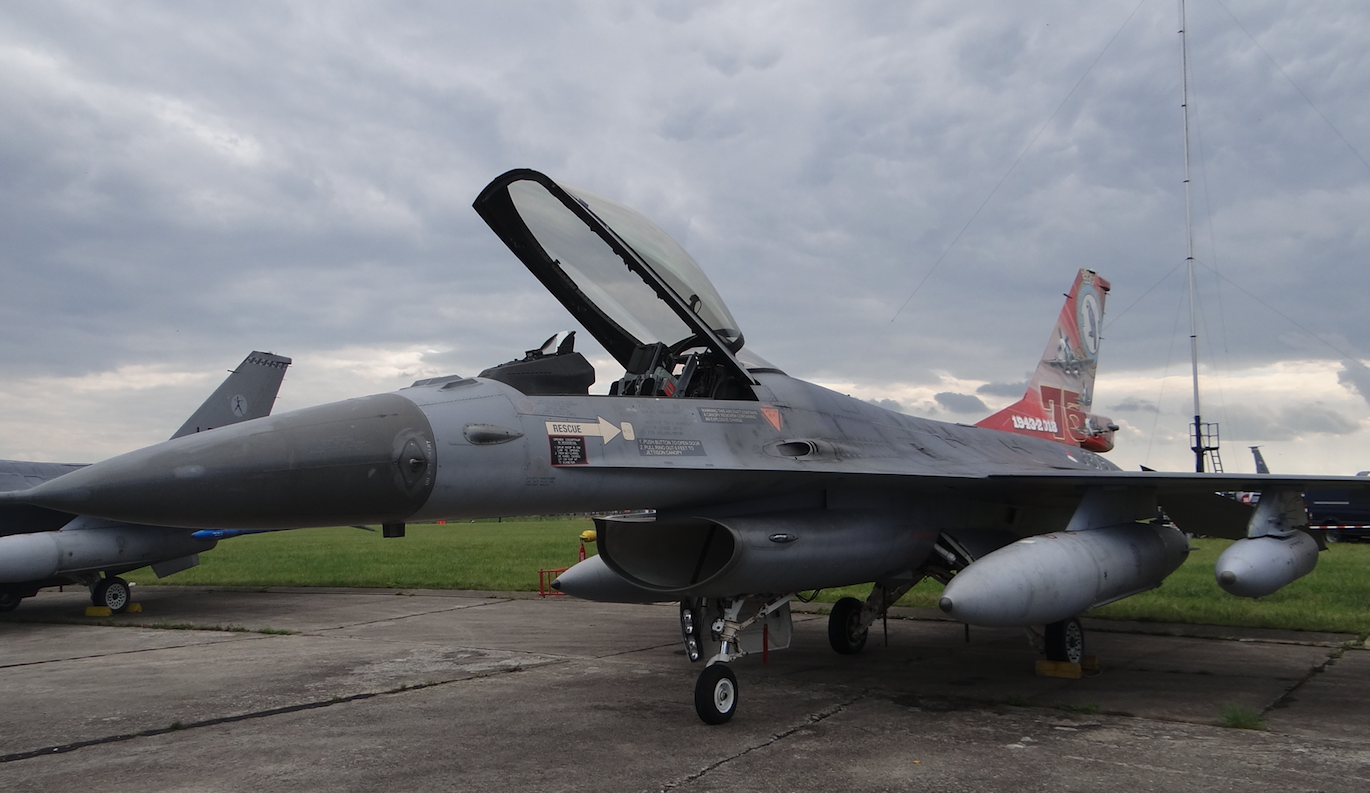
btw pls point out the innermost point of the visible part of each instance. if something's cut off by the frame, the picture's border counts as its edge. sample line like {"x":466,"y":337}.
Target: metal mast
{"x":1203,"y":437}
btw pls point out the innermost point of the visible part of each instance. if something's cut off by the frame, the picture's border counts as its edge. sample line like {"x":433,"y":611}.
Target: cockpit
{"x":627,"y":282}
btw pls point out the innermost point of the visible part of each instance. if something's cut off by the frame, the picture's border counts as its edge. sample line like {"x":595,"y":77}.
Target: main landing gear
{"x":1065,"y":641}
{"x":850,"y":621}
{"x":9,"y":601}
{"x":1062,"y":641}
{"x":846,"y":630}
{"x":112,"y":593}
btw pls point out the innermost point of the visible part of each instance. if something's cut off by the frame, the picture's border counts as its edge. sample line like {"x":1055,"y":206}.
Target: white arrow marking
{"x":603,"y":428}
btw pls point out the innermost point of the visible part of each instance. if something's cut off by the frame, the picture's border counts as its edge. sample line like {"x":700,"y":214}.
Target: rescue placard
{"x":567,"y":449}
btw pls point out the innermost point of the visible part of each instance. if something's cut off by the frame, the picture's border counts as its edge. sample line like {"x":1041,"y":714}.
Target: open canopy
{"x":619,"y":274}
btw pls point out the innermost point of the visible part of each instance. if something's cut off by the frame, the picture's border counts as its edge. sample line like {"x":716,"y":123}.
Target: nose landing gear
{"x":709,"y":624}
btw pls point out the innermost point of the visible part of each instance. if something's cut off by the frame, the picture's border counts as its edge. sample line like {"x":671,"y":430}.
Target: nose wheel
{"x":716,"y":694}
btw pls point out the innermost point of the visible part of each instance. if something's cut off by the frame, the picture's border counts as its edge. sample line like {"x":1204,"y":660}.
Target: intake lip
{"x":366,"y":460}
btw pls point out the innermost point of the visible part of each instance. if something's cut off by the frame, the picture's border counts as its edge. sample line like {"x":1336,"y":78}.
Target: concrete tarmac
{"x":340,"y":690}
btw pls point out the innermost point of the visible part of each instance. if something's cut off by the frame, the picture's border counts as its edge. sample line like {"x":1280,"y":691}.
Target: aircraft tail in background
{"x":248,"y":393}
{"x":1061,"y":391}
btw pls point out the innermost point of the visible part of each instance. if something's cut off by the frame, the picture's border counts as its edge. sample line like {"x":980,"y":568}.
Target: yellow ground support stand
{"x":1067,"y":670}
{"x":1059,"y":669}
{"x":104,"y":611}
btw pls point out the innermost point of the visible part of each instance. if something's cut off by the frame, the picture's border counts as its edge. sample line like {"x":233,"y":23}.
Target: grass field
{"x":507,"y":555}
{"x":483,"y":555}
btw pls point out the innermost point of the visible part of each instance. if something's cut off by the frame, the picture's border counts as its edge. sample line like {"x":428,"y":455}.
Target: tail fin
{"x":1058,"y":399}
{"x":248,"y":393}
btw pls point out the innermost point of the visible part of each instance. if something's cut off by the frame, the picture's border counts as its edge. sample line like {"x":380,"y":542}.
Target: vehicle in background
{"x":1342,"y":514}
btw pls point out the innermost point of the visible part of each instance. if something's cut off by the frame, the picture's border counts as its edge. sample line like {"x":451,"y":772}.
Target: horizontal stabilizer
{"x":248,"y":393}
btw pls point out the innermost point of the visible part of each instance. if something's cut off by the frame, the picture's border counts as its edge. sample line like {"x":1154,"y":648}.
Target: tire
{"x":112,"y":593}
{"x":716,"y":694}
{"x":9,"y":601}
{"x":1065,"y":641}
{"x":845,"y":633}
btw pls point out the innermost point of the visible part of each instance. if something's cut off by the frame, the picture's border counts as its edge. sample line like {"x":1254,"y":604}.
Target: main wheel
{"x":1065,"y":641}
{"x":716,"y":694}
{"x":112,"y":593}
{"x":9,"y":601}
{"x":845,"y":633}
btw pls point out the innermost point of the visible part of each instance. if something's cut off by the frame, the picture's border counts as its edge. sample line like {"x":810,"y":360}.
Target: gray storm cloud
{"x":1356,"y":376}
{"x":960,"y":403}
{"x":1003,"y":389}
{"x":183,"y":183}
{"x":1135,"y":403}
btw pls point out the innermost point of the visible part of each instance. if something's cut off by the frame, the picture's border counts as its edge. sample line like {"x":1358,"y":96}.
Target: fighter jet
{"x":43,"y":547}
{"x":750,"y":486}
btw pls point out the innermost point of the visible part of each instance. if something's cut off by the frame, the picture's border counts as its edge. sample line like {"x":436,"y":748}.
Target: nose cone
{"x":367,"y":460}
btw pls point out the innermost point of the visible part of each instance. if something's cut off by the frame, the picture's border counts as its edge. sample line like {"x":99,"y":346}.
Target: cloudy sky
{"x":891,"y":196}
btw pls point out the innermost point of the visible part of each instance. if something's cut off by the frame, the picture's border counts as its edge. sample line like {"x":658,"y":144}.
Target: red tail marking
{"x":1064,"y":407}
{"x":1057,"y":402}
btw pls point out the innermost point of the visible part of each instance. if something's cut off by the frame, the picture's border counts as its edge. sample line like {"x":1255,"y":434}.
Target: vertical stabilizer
{"x":248,"y":393}
{"x":1059,"y":396}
